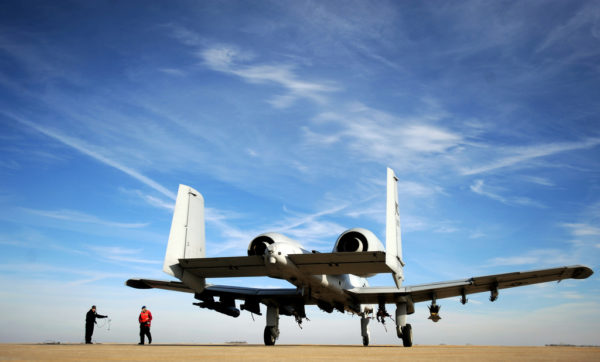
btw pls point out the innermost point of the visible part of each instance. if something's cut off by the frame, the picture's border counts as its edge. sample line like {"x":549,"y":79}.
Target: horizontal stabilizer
{"x":358,"y":263}
{"x":234,"y":266}
{"x":319,"y":263}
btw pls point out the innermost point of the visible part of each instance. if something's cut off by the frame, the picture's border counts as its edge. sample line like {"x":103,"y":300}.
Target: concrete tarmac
{"x":158,"y":352}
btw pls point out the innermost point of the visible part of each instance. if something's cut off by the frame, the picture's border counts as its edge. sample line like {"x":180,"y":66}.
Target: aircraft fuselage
{"x":326,"y":290}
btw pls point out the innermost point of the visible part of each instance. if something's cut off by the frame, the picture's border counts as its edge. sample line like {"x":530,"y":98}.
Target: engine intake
{"x":357,"y":240}
{"x":353,"y":241}
{"x":259,"y":244}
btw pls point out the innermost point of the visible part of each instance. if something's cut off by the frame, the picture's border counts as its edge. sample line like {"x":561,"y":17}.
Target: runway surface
{"x":124,"y":352}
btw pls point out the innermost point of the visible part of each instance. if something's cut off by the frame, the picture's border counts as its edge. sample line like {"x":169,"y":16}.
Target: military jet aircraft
{"x":332,"y":281}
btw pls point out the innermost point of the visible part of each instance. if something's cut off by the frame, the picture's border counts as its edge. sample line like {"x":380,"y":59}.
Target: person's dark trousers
{"x":145,"y":331}
{"x":89,"y":330}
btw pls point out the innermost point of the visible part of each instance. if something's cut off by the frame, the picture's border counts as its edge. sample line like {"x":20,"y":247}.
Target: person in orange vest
{"x":145,"y":318}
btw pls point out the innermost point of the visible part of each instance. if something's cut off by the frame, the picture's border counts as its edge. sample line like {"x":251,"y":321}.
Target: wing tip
{"x":582,"y":272}
{"x":137,"y":284}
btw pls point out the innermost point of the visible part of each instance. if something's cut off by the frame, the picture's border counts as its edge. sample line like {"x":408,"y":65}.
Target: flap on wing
{"x":359,"y":263}
{"x":236,"y":266}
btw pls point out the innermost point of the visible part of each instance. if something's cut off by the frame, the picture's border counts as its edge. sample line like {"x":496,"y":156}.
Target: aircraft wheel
{"x":407,"y":336}
{"x":269,"y":335}
{"x":365,"y":341}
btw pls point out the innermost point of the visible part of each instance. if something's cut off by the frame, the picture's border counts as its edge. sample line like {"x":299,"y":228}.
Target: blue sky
{"x":285,"y":115}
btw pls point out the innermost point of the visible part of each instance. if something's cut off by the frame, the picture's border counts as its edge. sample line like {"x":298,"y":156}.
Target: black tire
{"x":407,"y":336}
{"x":365,"y":341}
{"x":269,"y":336}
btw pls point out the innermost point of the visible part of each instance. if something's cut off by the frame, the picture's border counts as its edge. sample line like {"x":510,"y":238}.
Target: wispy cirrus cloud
{"x":120,"y":254}
{"x":582,"y":229}
{"x":517,"y":155}
{"x":583,"y":246}
{"x":584,"y":21}
{"x":92,"y":152}
{"x":80,"y":217}
{"x":585,"y":232}
{"x":539,"y":180}
{"x":150,"y":199}
{"x":480,"y":188}
{"x":184,"y":35}
{"x":380,"y":135}
{"x":309,"y":229}
{"x":230,"y":60}
{"x":231,"y":237}
{"x":540,"y":257}
{"x":31,"y":239}
{"x":416,"y":189}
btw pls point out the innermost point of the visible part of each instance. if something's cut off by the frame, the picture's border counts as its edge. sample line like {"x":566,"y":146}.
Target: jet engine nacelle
{"x":259,"y":244}
{"x":356,"y":240}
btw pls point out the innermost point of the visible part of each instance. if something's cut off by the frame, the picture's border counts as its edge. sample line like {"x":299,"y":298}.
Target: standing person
{"x":145,"y":318}
{"x":90,"y":320}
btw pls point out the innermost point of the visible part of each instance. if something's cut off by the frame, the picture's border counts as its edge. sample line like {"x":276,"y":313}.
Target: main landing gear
{"x":364,"y":329}
{"x":403,"y":329}
{"x":406,"y":335}
{"x":272,"y":329}
{"x":271,"y":334}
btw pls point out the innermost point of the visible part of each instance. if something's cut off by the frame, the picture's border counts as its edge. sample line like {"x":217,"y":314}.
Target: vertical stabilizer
{"x":186,"y":239}
{"x":393,"y":239}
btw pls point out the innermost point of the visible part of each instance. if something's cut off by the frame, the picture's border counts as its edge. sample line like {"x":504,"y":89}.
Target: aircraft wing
{"x":426,"y":292}
{"x":317,"y":263}
{"x":263,"y":295}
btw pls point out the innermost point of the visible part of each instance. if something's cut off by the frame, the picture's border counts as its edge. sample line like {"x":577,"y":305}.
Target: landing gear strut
{"x":403,"y":329}
{"x":364,"y":329}
{"x":272,"y":329}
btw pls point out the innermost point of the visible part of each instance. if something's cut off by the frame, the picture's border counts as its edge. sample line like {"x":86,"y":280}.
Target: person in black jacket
{"x":90,"y":320}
